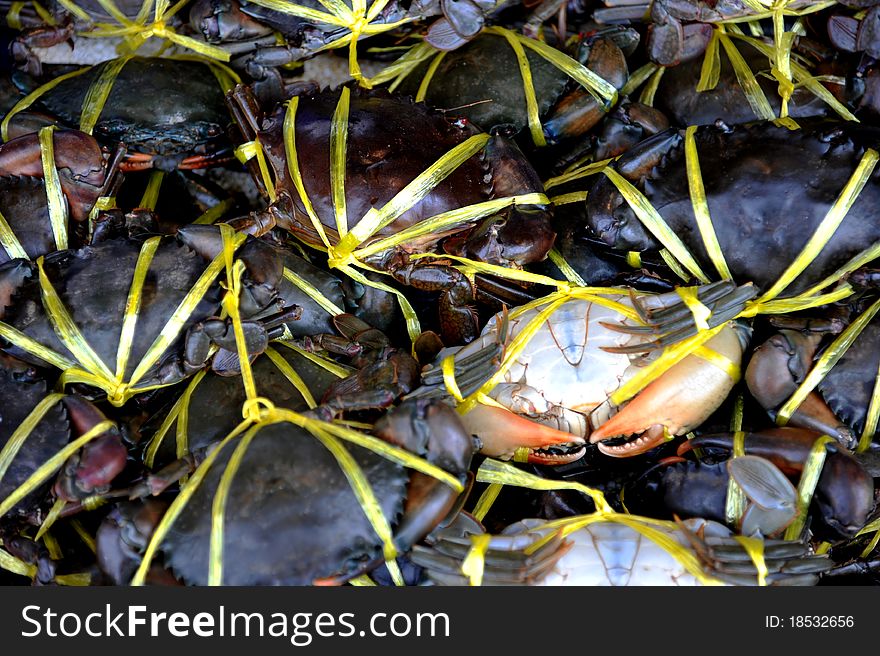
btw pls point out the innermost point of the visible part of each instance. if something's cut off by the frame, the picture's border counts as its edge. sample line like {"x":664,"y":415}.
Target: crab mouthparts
{"x":654,"y":436}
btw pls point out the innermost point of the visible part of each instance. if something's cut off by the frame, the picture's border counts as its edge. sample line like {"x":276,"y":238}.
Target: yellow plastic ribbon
{"x":755,"y":549}
{"x":473,"y":564}
{"x":9,"y":242}
{"x":54,"y":195}
{"x":735,"y":503}
{"x":699,"y":311}
{"x":807,"y":485}
{"x":248,"y":151}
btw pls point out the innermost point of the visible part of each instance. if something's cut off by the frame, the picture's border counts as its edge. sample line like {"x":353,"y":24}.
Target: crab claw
{"x":504,"y":433}
{"x":678,"y":401}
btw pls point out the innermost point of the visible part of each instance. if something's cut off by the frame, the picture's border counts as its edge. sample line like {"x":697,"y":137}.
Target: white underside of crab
{"x":562,"y":381}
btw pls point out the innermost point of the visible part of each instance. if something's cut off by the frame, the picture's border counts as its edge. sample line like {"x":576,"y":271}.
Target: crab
{"x":390,"y":142}
{"x":84,"y":173}
{"x":476,"y":81}
{"x":183,"y":126}
{"x":559,"y":391}
{"x":774,"y":458}
{"x":290,"y":497}
{"x":838,"y":406}
{"x":609,"y":553}
{"x":89,"y":471}
{"x":92,"y":285}
{"x":756,"y":177}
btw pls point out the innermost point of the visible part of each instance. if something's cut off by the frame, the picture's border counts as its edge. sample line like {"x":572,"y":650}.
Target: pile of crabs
{"x":380,"y":292}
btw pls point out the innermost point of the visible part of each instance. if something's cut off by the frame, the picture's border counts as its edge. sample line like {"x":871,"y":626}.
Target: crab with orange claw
{"x":560,"y":389}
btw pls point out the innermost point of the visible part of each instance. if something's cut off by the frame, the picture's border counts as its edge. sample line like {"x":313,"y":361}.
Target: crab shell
{"x":292,"y":517}
{"x":757,"y":177}
{"x":390,"y":142}
{"x":93,"y":284}
{"x":149,"y":110}
{"x":558,"y":390}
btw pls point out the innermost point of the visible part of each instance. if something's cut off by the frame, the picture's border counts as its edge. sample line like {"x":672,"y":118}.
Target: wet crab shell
{"x":391,"y":141}
{"x":291,"y":516}
{"x":760,"y":179}
{"x":148,"y":109}
{"x":20,"y":393}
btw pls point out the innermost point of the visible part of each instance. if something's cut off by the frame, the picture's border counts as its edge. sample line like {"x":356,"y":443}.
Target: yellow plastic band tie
{"x":76,"y":10}
{"x":333,"y":367}
{"x":362,"y":581}
{"x":218,"y":508}
{"x":829,"y":225}
{"x":735,"y":503}
{"x":400,"y":69}
{"x":66,"y":329}
{"x":51,"y":517}
{"x":594,"y":84}
{"x":736,"y":417}
{"x":569,"y":198}
{"x":44,"y":14}
{"x":13,"y":17}
{"x":10,"y":242}
{"x":671,"y":356}
{"x":448,"y":368}
{"x":747,"y":81}
{"x":133,"y":304}
{"x":722,"y":362}
{"x":179,"y":503}
{"x":312,"y":292}
{"x":486,"y":500}
{"x":871,"y":417}
{"x":673,"y":264}
{"x":638,"y":78}
{"x":496,"y":471}
{"x":634,"y":259}
{"x":51,"y":466}
{"x":804,"y":78}
{"x":413,"y":327}
{"x":824,"y":364}
{"x":754,"y":547}
{"x":419,"y":188}
{"x":429,"y":75}
{"x":701,"y":205}
{"x":12,"y":564}
{"x":151,"y":193}
{"x":429,"y":226}
{"x":577,"y":173}
{"x":711,"y":69}
{"x":871,"y":545}
{"x":87,"y":539}
{"x":34,"y":95}
{"x":22,"y":341}
{"x":525,"y":71}
{"x":291,"y":375}
{"x":650,"y":90}
{"x":54,"y":195}
{"x":234,"y":271}
{"x":21,"y":433}
{"x":289,"y":133}
{"x":248,"y":151}
{"x":699,"y":311}
{"x":475,"y":560}
{"x":99,"y":91}
{"x":565,"y":268}
{"x":338,"y":160}
{"x":807,"y":485}
{"x":652,"y":220}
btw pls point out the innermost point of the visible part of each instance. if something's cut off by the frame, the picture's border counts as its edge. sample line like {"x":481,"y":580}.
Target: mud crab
{"x":390,"y":142}
{"x":840,"y":507}
{"x":606,"y":552}
{"x":88,"y":291}
{"x":84,"y":174}
{"x":560,"y":388}
{"x":90,"y":470}
{"x":839,"y":403}
{"x":299,"y":507}
{"x":756,"y":176}
{"x":185,"y":126}
{"x":475,"y":81}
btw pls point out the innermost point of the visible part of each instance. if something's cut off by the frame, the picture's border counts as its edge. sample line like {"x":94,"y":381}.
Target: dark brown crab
{"x":390,"y":142}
